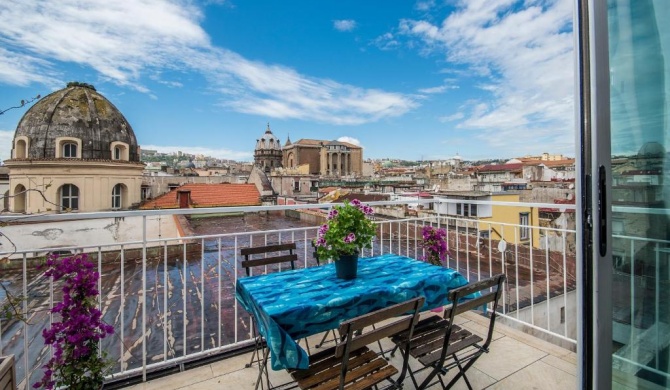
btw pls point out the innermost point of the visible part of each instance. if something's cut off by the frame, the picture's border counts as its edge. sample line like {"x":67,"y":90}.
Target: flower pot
{"x":346,"y":266}
{"x":7,"y":373}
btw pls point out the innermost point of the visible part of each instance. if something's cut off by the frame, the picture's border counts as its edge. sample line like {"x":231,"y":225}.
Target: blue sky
{"x":411,"y":80}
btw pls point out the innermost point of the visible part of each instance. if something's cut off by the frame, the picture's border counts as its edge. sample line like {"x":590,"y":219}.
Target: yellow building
{"x":515,"y":224}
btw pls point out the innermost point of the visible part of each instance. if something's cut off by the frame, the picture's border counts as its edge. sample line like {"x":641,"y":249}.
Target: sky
{"x":413,"y":80}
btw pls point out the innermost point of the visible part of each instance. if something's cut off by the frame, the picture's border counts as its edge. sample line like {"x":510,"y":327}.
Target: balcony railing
{"x":171,"y":299}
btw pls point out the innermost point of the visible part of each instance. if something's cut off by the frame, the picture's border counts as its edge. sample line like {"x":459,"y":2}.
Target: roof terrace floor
{"x":516,"y":361}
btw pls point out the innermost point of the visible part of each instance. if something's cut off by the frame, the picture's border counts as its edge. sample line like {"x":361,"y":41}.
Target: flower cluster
{"x":347,"y":231}
{"x":434,"y":245}
{"x":76,"y":363}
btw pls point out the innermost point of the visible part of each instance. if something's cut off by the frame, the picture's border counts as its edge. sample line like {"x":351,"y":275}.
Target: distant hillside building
{"x":325,"y":158}
{"x":74,"y":151}
{"x":268,"y":152}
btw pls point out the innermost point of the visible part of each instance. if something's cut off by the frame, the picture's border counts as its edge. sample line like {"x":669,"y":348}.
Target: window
{"x":116,"y":197}
{"x":69,"y":197}
{"x":146,"y":193}
{"x":117,"y":153}
{"x":459,"y":209}
{"x":562,"y":314}
{"x":473,"y":210}
{"x":524,"y":221}
{"x":296,"y":185}
{"x":70,"y":150}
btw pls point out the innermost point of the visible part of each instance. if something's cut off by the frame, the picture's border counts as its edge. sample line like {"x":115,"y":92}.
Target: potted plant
{"x":435,"y":249}
{"x":77,"y":361}
{"x":346,"y":232}
{"x":435,"y":245}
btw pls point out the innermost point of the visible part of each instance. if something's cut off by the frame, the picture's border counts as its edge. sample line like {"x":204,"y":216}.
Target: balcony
{"x":187,"y":278}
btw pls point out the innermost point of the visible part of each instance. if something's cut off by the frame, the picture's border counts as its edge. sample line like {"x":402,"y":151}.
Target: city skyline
{"x":417,"y":81}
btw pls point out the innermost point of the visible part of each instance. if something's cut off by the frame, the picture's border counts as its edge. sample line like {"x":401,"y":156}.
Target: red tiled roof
{"x":318,"y":142}
{"x":209,"y":195}
{"x":501,"y":167}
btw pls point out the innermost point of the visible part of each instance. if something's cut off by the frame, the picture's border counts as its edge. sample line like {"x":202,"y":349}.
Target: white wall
{"x":108,"y":231}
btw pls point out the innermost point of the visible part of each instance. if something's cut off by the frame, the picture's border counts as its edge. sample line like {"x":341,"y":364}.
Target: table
{"x":293,"y":304}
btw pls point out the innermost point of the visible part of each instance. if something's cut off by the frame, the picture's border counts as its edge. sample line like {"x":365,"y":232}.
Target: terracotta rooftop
{"x":209,"y":195}
{"x":501,"y":167}
{"x":318,"y":142}
{"x":559,"y":163}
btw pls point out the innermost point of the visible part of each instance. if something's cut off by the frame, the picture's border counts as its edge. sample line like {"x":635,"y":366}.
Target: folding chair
{"x":440,"y":345}
{"x":271,"y":255}
{"x":351,"y":364}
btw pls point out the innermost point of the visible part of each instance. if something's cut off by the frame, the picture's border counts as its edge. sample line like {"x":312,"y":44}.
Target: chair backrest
{"x":354,"y":336}
{"x":277,"y":257}
{"x":486,"y":296}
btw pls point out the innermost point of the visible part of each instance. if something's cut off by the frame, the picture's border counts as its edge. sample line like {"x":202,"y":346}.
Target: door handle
{"x":602,"y":211}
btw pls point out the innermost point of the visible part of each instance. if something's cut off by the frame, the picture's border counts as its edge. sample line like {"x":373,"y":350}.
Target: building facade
{"x":268,"y":151}
{"x":325,"y":158}
{"x":74,"y":151}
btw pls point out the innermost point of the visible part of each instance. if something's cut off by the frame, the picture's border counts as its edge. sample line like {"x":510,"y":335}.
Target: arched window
{"x":20,"y":149}
{"x":20,"y":199}
{"x":117,"y":153}
{"x":70,"y":150}
{"x":117,"y":198}
{"x":69,"y":197}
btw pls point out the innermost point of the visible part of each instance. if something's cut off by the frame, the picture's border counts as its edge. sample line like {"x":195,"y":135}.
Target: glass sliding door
{"x":639,"y":97}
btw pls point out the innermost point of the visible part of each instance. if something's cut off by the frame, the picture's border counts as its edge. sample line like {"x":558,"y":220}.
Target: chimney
{"x":184,"y":199}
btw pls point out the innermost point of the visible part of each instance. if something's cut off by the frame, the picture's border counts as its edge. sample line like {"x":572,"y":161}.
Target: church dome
{"x":78,"y":114}
{"x":651,"y":149}
{"x":268,"y":141}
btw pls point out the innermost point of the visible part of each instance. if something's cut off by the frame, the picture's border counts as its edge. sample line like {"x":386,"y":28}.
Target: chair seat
{"x":428,"y":339}
{"x":365,"y":369}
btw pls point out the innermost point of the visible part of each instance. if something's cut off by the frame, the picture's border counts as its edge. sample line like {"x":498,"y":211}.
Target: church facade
{"x":308,"y":156}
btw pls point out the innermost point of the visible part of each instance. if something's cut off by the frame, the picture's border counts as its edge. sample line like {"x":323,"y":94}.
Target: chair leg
{"x":307,"y":345}
{"x":325,"y":336}
{"x":255,"y":354}
{"x":461,"y":372}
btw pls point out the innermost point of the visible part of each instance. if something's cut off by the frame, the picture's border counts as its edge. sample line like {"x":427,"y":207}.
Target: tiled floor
{"x":516,"y":361}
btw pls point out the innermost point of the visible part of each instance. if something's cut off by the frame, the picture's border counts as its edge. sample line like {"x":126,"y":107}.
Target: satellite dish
{"x":502,"y":245}
{"x":571,"y":186}
{"x":570,"y":196}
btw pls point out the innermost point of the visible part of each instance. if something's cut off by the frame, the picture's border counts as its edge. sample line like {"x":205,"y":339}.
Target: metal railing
{"x":171,"y":299}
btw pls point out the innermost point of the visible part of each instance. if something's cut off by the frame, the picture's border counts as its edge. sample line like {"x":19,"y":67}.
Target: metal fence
{"x":171,"y":300}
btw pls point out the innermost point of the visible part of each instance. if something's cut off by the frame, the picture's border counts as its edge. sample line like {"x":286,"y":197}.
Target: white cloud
{"x":453,"y":117}
{"x":524,"y":50}
{"x":386,"y":41}
{"x":350,"y":140}
{"x":425,"y":5}
{"x":448,"y":84}
{"x":6,"y":138}
{"x":221,"y":153}
{"x":344,"y":25}
{"x":165,"y":35}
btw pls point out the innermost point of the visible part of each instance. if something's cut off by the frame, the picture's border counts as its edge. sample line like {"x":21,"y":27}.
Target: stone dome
{"x":268,"y":141}
{"x":651,"y":149}
{"x":76,"y":112}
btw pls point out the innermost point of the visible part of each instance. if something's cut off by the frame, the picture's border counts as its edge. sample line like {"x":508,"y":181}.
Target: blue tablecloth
{"x":294,"y":304}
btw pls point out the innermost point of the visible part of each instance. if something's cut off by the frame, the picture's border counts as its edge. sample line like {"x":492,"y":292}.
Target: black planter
{"x":347,"y":266}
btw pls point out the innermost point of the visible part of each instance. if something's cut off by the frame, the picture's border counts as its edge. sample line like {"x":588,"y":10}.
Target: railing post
{"x":144,"y":298}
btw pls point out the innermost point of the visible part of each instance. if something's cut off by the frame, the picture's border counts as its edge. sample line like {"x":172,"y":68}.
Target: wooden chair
{"x":261,"y":256}
{"x":248,"y":263}
{"x":351,"y":364}
{"x":440,"y":345}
